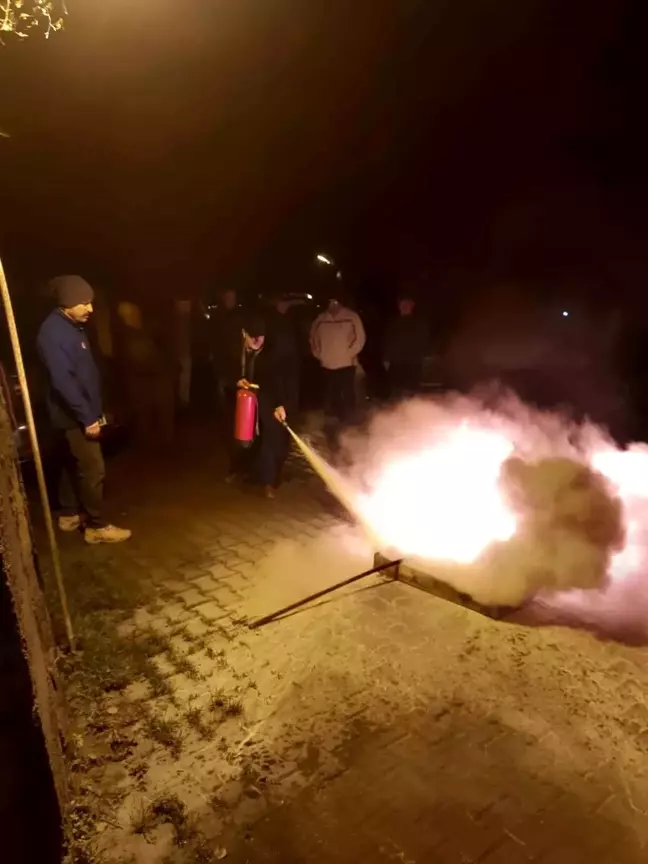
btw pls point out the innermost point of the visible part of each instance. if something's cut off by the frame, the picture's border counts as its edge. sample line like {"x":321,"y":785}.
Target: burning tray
{"x":407,"y":573}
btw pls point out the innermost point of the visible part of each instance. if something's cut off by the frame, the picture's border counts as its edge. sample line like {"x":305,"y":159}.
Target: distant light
{"x":325,"y":260}
{"x":338,"y":275}
{"x":309,"y":296}
{"x":565,"y":313}
{"x":207,"y":316}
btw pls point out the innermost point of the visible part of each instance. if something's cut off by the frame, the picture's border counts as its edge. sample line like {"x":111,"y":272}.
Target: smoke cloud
{"x":570,"y":525}
{"x":499,"y":500}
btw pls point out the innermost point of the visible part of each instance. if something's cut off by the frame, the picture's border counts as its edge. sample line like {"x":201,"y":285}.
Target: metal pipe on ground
{"x":408,"y":574}
{"x":292,"y":607}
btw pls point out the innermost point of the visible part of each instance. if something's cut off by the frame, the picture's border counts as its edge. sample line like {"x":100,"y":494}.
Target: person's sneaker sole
{"x":68,"y":526}
{"x":95,"y":540}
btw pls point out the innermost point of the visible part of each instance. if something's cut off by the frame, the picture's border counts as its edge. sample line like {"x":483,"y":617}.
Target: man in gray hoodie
{"x":337,"y":337}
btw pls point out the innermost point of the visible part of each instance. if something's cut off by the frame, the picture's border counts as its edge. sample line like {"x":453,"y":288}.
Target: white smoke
{"x":471,"y":464}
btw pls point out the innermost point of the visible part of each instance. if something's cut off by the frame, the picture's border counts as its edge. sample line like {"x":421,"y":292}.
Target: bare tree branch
{"x":19,"y":17}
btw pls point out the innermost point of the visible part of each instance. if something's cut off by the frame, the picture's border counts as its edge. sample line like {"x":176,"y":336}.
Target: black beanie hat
{"x":70,"y":291}
{"x":255,"y":326}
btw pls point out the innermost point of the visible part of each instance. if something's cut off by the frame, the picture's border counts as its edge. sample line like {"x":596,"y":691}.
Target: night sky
{"x":208,"y":143}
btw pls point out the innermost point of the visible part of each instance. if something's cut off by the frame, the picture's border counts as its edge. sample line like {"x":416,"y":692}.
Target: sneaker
{"x":69,"y":523}
{"x":107,"y":534}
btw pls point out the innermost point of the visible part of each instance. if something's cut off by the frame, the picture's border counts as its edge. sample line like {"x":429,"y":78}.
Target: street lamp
{"x":324,"y":259}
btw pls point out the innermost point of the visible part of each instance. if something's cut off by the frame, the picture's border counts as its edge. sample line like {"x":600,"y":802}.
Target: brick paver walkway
{"x":381,"y":725}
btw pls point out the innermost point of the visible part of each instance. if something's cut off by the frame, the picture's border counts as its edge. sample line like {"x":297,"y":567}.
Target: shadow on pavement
{"x":443,"y":787}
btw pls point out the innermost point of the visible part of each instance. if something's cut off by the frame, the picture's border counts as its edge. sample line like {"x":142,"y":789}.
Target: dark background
{"x":225,"y":142}
{"x":451,"y":147}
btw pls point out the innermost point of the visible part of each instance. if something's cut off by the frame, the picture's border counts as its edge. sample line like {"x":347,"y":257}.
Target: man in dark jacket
{"x":75,"y":409}
{"x":269,"y":366}
{"x":283,"y":341}
{"x":406,"y":344}
{"x":149,"y":373}
{"x":226,"y":326}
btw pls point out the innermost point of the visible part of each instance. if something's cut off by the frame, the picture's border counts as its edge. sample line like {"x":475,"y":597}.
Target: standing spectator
{"x":149,"y":374}
{"x":183,"y":310}
{"x":283,"y":338}
{"x":75,"y":409}
{"x":337,"y":337}
{"x":226,"y":350}
{"x":406,"y":344}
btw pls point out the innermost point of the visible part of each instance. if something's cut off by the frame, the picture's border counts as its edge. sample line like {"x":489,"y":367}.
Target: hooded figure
{"x":337,"y":337}
{"x":406,"y":345}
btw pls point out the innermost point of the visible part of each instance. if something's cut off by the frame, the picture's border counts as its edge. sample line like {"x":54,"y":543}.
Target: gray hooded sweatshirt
{"x":337,"y":339}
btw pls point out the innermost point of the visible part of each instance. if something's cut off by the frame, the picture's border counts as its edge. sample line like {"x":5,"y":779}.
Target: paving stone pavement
{"x":382,"y":725}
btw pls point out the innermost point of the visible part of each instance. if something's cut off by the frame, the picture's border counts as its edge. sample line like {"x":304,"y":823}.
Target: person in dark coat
{"x":75,"y":408}
{"x":149,"y":373}
{"x":406,"y":344}
{"x":267,"y":363}
{"x":283,"y":339}
{"x":226,"y":326}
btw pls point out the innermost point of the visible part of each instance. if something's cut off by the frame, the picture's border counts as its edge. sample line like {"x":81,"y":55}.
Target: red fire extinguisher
{"x":245,"y":418}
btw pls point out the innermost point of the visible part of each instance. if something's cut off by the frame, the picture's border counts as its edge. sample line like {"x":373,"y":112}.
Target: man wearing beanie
{"x":75,"y":409}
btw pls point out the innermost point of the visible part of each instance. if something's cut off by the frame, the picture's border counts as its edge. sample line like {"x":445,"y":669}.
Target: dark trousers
{"x":223,"y":388}
{"x":273,"y":448}
{"x":405,"y":378}
{"x":82,"y":478}
{"x":340,"y":393}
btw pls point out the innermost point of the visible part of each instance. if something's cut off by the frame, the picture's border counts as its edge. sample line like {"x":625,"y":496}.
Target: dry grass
{"x":222,"y":703}
{"x":170,"y":810}
{"x":113,"y":656}
{"x":166,"y":732}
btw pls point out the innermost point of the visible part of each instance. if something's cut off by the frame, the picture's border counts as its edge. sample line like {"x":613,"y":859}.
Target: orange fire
{"x":427,"y":480}
{"x":443,"y":502}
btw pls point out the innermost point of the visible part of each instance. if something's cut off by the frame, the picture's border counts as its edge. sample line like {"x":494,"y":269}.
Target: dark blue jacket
{"x":74,"y":393}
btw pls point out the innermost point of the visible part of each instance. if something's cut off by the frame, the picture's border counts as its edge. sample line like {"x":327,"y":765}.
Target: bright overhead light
{"x":325,"y":260}
{"x":309,"y":296}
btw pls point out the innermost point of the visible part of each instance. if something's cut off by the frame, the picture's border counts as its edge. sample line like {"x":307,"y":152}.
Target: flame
{"x":451,"y":485}
{"x":426,"y":479}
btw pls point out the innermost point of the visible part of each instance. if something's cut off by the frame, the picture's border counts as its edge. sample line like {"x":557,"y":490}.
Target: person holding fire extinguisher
{"x":267,"y":396}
